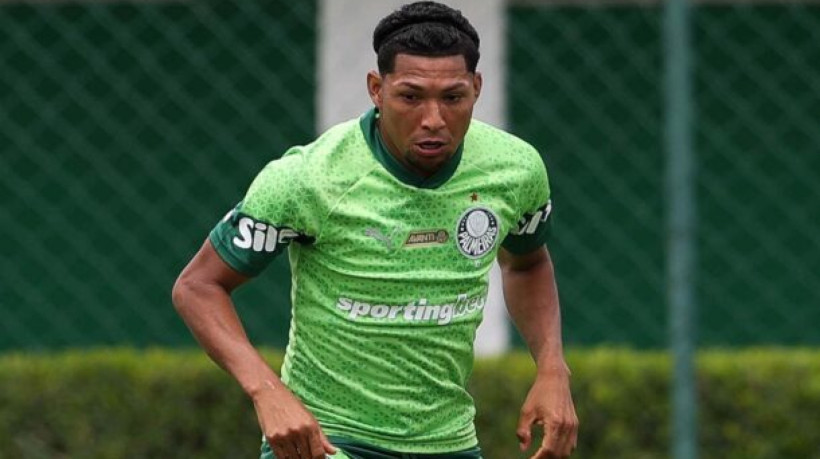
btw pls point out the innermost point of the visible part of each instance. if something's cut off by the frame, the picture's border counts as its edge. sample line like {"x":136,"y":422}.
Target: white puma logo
{"x":376,"y":234}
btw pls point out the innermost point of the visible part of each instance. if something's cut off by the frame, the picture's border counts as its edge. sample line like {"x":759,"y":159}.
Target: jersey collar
{"x":374,"y":141}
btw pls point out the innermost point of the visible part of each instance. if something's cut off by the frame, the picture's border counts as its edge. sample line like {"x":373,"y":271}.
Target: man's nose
{"x":432,"y":119}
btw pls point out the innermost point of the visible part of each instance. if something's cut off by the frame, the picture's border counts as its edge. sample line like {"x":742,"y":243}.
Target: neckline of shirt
{"x":380,"y":152}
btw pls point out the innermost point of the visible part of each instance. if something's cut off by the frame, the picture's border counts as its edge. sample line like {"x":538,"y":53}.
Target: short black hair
{"x":425,"y":29}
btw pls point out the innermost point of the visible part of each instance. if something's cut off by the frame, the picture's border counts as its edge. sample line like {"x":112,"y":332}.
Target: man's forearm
{"x":209,"y":313}
{"x":532,"y":301}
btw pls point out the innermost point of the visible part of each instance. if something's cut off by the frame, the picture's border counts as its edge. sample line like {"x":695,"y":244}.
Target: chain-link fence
{"x":758,"y":81}
{"x":586,"y":88}
{"x":127,"y":129}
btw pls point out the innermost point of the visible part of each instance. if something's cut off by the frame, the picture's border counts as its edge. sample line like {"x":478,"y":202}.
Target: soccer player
{"x":391,"y":222}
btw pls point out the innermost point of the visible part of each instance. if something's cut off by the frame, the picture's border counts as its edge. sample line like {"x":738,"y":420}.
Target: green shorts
{"x":349,"y":449}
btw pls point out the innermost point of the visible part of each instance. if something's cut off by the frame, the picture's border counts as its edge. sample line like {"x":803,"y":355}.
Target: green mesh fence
{"x":128,"y":129}
{"x":758,"y":137}
{"x":586,"y":87}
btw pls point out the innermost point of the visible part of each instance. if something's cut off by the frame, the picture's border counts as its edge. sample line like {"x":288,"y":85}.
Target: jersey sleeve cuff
{"x":520,"y":244}
{"x":522,"y":247}
{"x":232,"y":260}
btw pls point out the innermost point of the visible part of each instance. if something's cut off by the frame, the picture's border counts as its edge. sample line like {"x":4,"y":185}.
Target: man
{"x":392,"y":222}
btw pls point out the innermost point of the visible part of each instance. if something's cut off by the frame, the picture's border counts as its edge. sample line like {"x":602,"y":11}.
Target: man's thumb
{"x":329,"y":448}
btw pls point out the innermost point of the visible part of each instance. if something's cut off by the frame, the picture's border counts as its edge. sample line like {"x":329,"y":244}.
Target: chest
{"x":379,"y":222}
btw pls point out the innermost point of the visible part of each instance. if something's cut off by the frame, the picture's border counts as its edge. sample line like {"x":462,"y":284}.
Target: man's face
{"x":425,"y":106}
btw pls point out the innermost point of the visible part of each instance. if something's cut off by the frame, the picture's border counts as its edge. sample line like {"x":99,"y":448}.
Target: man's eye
{"x":453,"y":97}
{"x":410,"y":97}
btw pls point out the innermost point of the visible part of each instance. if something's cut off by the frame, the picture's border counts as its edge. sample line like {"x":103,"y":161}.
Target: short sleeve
{"x":267,"y":220}
{"x":534,"y":225}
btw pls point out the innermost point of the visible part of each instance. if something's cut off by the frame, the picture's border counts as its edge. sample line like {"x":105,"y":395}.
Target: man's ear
{"x":478,"y":81}
{"x":374,"y":88}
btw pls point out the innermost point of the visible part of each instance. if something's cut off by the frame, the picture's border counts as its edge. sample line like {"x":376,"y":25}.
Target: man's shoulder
{"x":338,"y":139}
{"x":483,"y":130}
{"x":340,"y":150}
{"x":338,"y":134}
{"x":332,"y":162}
{"x":311,"y":176}
{"x":490,"y":145}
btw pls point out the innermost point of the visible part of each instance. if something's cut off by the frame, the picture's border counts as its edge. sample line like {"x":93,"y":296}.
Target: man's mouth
{"x":430,"y":147}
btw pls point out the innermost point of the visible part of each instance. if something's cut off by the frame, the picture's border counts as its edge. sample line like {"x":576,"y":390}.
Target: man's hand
{"x":291,"y":430}
{"x":549,"y":404}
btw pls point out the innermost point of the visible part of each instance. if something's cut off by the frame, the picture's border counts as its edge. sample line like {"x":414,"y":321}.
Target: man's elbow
{"x":181,"y":292}
{"x":205,"y":278}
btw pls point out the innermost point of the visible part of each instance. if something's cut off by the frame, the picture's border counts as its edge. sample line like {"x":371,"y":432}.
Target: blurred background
{"x":127,"y":129}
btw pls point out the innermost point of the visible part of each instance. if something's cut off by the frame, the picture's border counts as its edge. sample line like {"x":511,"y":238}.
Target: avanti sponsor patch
{"x":427,"y":238}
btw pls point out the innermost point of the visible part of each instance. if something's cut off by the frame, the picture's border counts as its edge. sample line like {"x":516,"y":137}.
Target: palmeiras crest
{"x":477,"y":232}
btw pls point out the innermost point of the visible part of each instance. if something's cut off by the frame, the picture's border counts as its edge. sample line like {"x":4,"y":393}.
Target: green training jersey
{"x":390,"y":274}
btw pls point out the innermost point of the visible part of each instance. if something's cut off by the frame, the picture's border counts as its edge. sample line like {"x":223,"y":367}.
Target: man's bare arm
{"x":532,"y":300}
{"x":202,"y":297}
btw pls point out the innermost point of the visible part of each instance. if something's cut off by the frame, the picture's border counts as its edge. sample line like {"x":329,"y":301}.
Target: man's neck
{"x":395,"y":153}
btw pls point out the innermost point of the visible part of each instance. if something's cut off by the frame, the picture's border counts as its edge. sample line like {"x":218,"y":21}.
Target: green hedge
{"x":759,"y":403}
